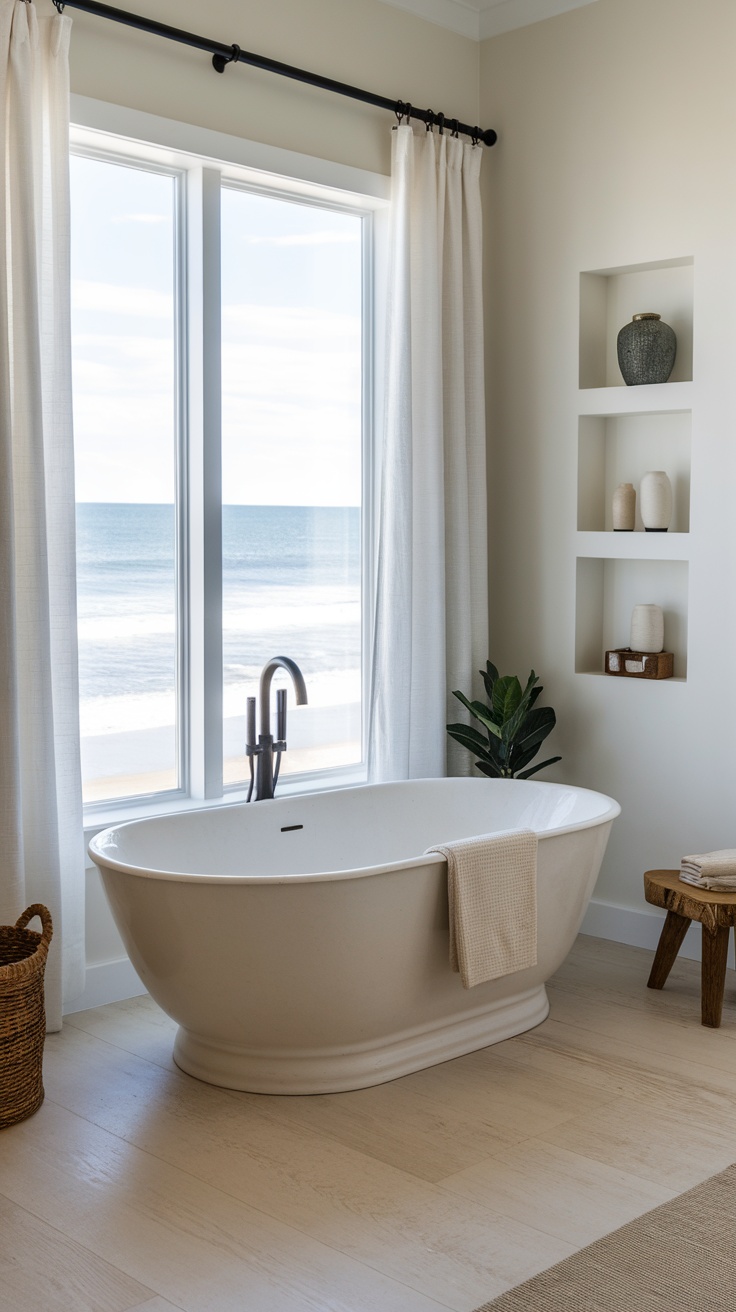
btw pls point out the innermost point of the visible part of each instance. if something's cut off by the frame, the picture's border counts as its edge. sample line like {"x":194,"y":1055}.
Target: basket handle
{"x":44,"y":915}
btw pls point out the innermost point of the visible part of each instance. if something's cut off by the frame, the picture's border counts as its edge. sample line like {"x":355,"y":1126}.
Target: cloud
{"x":112,"y":298}
{"x":116,"y":368}
{"x":141,"y":218}
{"x":306,"y":327}
{"x":322,"y":238}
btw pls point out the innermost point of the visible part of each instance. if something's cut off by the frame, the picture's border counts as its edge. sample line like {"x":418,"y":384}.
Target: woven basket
{"x":23,"y":955}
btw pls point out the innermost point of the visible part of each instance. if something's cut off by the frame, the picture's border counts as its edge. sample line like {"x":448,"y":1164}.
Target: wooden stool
{"x":685,"y":903}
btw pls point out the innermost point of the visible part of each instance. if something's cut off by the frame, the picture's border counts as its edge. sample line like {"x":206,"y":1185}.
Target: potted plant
{"x":515,"y":727}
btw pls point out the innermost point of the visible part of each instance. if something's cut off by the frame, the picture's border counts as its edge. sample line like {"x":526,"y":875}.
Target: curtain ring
{"x":455,"y":125}
{"x":59,"y":6}
{"x":431,"y":120}
{"x":441,"y":123}
{"x":399,"y":112}
{"x":220,"y":62}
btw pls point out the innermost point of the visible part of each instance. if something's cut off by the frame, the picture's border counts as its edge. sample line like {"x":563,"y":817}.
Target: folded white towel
{"x":492,"y":895}
{"x":715,"y":871}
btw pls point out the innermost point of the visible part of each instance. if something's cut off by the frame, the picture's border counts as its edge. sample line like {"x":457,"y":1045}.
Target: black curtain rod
{"x":223,"y":55}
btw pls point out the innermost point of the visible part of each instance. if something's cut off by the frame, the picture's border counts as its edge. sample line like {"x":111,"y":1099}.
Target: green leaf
{"x":518,"y":759}
{"x":480,"y":712}
{"x":490,"y":751}
{"x":536,"y":724}
{"x":469,"y":737}
{"x":494,"y":752}
{"x":514,"y":726}
{"x":530,"y":683}
{"x":527,"y":774}
{"x":489,"y":677}
{"x":506,"y":697}
{"x":493,"y":771}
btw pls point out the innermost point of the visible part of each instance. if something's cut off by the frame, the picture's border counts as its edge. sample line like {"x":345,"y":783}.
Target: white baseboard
{"x":109,"y":981}
{"x":114,"y":981}
{"x":639,"y":929}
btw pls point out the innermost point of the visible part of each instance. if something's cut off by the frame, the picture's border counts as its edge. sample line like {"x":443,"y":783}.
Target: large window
{"x":222,"y":400}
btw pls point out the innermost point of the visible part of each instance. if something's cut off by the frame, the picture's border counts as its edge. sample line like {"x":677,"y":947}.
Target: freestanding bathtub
{"x":301,"y":944}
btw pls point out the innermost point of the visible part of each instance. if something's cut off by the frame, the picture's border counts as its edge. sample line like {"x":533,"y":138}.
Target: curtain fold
{"x":41,"y":837}
{"x":431,"y":617}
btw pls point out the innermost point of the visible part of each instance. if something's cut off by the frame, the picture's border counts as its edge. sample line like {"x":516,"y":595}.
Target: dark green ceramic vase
{"x":646,"y":350}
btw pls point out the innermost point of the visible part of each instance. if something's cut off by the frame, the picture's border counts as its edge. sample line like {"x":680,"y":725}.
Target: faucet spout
{"x":263,"y":750}
{"x":264,"y":687}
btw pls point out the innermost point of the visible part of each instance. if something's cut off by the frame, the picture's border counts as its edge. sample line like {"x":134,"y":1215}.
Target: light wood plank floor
{"x":136,"y":1187}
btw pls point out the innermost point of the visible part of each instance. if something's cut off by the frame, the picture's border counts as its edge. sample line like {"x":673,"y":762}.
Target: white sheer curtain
{"x":41,"y":842}
{"x":431,"y":623}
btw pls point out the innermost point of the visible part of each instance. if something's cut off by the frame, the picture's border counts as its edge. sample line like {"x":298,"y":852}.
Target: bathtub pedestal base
{"x":337,"y":1070}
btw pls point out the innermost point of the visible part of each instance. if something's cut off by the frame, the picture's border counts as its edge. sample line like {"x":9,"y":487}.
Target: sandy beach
{"x":319,"y":737}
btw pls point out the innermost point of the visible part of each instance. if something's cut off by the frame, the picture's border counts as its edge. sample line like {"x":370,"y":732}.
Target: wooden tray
{"x":630,"y":664}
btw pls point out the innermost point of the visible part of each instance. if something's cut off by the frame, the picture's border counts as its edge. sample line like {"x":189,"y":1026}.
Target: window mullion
{"x":204,"y":484}
{"x":368,"y":494}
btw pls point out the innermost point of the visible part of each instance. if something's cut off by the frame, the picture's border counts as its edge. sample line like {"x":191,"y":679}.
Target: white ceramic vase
{"x":624,"y":508}
{"x":647,"y":628}
{"x":655,"y":499}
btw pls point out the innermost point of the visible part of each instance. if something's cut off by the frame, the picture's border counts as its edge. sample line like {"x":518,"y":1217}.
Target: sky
{"x":291,"y":326}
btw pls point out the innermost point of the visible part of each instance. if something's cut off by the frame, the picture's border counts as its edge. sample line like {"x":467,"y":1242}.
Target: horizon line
{"x":251,"y":505}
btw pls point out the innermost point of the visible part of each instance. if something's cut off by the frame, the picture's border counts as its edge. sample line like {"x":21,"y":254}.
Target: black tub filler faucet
{"x":266,"y":777}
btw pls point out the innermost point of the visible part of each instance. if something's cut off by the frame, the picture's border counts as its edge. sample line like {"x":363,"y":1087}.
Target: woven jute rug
{"x":679,"y":1258}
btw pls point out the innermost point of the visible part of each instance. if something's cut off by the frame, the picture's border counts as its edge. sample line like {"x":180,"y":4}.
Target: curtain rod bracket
{"x":220,"y":62}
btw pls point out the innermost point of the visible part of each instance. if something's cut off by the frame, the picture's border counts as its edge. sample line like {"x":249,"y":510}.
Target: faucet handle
{"x":281,"y":715}
{"x":250,"y":726}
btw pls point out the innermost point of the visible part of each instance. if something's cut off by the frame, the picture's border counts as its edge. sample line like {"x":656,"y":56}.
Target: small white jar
{"x":647,"y":628}
{"x":655,"y":499}
{"x":624,"y":508}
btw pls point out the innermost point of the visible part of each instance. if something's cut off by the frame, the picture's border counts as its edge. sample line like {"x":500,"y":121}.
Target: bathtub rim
{"x":104,"y":861}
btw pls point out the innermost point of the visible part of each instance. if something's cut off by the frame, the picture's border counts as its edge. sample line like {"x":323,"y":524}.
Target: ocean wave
{"x":275,"y":618}
{"x":110,"y":628}
{"x":137,"y":712}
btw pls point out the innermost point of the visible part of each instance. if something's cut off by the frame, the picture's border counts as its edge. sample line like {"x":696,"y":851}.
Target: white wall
{"x":617,"y":127}
{"x":362,"y":42}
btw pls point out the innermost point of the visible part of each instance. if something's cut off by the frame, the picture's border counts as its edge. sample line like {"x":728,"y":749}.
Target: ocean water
{"x":291,"y":585}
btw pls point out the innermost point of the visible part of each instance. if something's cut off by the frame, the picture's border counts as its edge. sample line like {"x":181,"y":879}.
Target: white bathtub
{"x":302,"y":944}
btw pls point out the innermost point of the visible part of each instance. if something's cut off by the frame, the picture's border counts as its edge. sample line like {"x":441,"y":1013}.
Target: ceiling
{"x":479,"y":19}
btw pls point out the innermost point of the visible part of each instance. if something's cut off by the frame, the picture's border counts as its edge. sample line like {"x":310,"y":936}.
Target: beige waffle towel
{"x":711,"y":870}
{"x":492,"y":893}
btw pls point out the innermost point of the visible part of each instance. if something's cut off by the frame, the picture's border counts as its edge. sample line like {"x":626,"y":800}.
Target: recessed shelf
{"x":655,"y":398}
{"x":608,"y":588}
{"x":615,"y":449}
{"x":634,"y":546}
{"x":609,"y":298}
{"x":659,"y":683}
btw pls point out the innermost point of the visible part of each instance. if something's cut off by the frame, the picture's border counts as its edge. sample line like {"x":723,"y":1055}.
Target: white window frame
{"x":202,"y":161}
